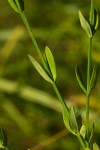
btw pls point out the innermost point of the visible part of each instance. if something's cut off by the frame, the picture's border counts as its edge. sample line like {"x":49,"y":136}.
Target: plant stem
{"x":59,"y":96}
{"x":33,"y":39}
{"x":88,"y":88}
{"x":89,"y":70}
{"x":40,"y":53}
{"x":24,"y":19}
{"x":81,"y":141}
{"x":92,"y":12}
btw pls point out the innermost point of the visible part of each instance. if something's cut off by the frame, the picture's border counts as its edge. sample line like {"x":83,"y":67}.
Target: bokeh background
{"x":29,"y":110}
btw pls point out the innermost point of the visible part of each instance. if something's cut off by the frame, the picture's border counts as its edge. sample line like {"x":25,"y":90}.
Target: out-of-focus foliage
{"x":30,"y":116}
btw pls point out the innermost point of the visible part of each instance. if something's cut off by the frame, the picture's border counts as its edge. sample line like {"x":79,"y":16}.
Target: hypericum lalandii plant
{"x":71,"y":116}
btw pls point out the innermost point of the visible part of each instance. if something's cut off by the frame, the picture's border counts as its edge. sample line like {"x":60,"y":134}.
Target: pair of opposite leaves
{"x":89,"y":27}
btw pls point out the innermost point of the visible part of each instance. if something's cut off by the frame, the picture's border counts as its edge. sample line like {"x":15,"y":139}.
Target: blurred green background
{"x":29,"y":110}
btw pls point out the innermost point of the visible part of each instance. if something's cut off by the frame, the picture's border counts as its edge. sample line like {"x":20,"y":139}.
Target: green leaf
{"x":96,"y":20}
{"x":3,"y":137}
{"x":85,"y":25}
{"x":66,"y":119}
{"x":83,"y":131}
{"x":95,"y":146}
{"x":92,"y":133}
{"x":95,"y":23}
{"x":51,"y":62}
{"x":72,"y":120}
{"x":40,"y":69}
{"x":93,"y":78}
{"x":1,"y":146}
{"x":15,"y":6}
{"x":79,"y":78}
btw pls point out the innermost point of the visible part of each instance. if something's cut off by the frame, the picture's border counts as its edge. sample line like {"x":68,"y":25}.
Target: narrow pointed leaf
{"x":93,"y":78}
{"x":95,"y":147}
{"x":72,"y":120}
{"x":95,"y":23}
{"x":85,"y":25}
{"x":51,"y":62}
{"x":13,"y":5}
{"x":96,"y":19}
{"x":92,"y":133}
{"x":83,"y":131}
{"x":66,"y":119}
{"x":79,"y":79}
{"x":40,"y":69}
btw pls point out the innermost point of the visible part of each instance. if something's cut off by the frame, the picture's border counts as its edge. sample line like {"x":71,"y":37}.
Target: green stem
{"x":59,"y":96}
{"x":39,"y":53}
{"x":92,"y":12}
{"x":81,"y":141}
{"x":88,"y":87}
{"x":24,"y":19}
{"x":89,"y":70}
{"x":87,"y":115}
{"x":32,"y":37}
